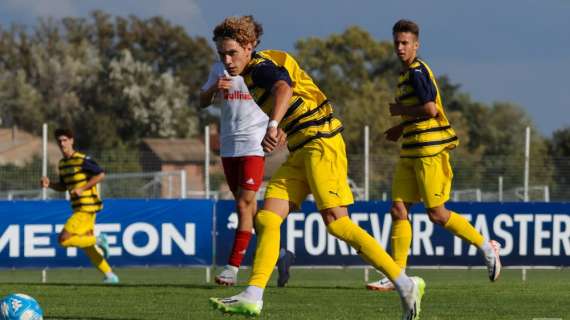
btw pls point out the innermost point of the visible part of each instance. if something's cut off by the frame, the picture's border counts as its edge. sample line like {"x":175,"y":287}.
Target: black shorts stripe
{"x":415,"y":132}
{"x":427,"y":143}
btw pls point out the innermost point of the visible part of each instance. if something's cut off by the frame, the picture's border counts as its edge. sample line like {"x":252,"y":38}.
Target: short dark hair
{"x":404,"y":25}
{"x":63,"y":132}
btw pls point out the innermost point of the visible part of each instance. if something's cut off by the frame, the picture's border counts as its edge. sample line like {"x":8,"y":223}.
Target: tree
{"x":559,"y":151}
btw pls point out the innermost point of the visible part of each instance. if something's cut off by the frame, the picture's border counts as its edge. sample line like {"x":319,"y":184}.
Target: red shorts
{"x":244,"y":172}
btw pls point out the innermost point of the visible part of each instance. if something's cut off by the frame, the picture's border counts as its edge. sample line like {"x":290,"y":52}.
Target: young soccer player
{"x":316,"y":164}
{"x":424,"y":172}
{"x":243,"y":125}
{"x":79,"y":175}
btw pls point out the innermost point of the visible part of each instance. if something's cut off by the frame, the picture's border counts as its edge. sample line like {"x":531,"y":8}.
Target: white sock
{"x":487,"y":249}
{"x":233,"y":268}
{"x":253,"y":293}
{"x":403,"y":284}
{"x":109,"y":274}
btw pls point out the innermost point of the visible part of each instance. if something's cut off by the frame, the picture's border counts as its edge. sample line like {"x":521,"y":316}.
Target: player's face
{"x":65,"y":145}
{"x":234,"y":56}
{"x":406,"y":46}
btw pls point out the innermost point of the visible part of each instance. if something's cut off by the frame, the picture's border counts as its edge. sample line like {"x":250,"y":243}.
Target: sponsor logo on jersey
{"x":237,"y":95}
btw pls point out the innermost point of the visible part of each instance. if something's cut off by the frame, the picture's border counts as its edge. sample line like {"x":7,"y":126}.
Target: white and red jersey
{"x":243,"y":124}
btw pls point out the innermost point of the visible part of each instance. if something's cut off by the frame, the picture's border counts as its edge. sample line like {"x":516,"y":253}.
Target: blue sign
{"x":530,"y":234}
{"x":140,"y":232}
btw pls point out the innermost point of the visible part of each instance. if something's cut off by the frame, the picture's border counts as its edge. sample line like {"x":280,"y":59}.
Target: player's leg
{"x":434,"y":178}
{"x":286,"y":189}
{"x":404,"y":193}
{"x":77,"y":231}
{"x":327,"y":172}
{"x":244,"y":176}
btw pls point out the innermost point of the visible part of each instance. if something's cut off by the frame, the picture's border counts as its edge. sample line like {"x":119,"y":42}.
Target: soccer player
{"x":423,"y":172}
{"x":243,"y":126}
{"x":79,"y":175}
{"x":316,"y":164}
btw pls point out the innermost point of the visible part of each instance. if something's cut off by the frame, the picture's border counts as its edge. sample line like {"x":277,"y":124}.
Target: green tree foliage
{"x":114,"y":80}
{"x":559,"y":150}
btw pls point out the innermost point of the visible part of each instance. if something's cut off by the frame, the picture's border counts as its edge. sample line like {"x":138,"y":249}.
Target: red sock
{"x":241,"y":242}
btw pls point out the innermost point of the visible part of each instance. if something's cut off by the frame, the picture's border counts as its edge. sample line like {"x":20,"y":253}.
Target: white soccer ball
{"x":18,"y":306}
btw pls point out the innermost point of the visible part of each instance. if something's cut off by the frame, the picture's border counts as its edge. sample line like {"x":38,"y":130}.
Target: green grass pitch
{"x":182,"y":293}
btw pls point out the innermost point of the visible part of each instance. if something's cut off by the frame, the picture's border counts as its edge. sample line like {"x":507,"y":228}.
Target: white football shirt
{"x":242,"y":124}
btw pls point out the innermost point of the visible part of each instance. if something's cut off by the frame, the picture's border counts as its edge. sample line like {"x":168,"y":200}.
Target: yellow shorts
{"x":320,"y":167}
{"x":80,"y":222}
{"x":425,"y":179}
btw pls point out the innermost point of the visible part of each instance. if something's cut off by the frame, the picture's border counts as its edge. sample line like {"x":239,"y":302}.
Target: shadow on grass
{"x":97,"y":285}
{"x":87,"y":318}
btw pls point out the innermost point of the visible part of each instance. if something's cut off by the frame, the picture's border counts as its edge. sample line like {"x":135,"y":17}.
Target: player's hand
{"x":281,"y":138}
{"x":44,"y":182}
{"x":394,"y":133}
{"x":396,"y":109}
{"x":270,"y":141}
{"x":224,"y":83}
{"x":77,"y":191}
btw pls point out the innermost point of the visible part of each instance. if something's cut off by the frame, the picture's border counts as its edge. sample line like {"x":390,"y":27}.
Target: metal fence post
{"x":44,"y":157}
{"x":366,"y":163}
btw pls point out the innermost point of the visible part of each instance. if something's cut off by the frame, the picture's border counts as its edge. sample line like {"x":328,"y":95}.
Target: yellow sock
{"x":461,"y":227}
{"x":366,"y":245}
{"x":401,"y":241}
{"x":80,"y":241}
{"x":97,"y":259}
{"x":268,"y":234}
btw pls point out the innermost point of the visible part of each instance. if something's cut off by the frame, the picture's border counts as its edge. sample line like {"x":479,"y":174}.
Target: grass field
{"x":182,"y":293}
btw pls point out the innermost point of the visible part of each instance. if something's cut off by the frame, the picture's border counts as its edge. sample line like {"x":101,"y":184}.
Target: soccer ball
{"x":18,"y":306}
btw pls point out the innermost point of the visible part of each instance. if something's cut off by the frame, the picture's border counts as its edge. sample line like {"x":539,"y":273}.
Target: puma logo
{"x":335,"y":193}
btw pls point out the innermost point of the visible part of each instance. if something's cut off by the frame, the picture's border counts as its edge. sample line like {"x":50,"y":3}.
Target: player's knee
{"x":438,"y":215}
{"x":245,"y":206}
{"x":398,"y":211}
{"x":266,"y":220}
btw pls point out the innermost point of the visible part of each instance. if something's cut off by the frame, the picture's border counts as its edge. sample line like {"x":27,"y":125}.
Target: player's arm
{"x":57,"y":186}
{"x":274,"y":136}
{"x":208,"y":94}
{"x":95,"y":172}
{"x":426,"y":92}
{"x":278,"y":81}
{"x":425,"y":110}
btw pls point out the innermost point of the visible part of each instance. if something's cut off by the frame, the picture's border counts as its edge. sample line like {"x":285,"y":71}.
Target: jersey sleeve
{"x":89,"y":165}
{"x":422,"y":84}
{"x":266,"y":74}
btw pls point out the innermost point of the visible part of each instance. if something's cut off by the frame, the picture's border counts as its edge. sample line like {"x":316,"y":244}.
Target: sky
{"x":509,"y":50}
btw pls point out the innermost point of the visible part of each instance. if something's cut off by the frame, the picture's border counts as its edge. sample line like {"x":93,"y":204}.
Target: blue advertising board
{"x":179,"y":232}
{"x":530,"y":234}
{"x":140,"y":232}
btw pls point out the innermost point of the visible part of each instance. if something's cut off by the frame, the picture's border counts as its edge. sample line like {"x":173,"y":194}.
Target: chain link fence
{"x":139,"y":175}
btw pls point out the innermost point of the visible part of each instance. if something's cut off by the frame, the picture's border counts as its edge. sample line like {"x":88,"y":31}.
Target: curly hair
{"x":242,"y":29}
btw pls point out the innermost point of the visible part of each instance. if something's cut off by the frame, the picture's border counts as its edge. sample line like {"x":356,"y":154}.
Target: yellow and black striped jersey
{"x":310,"y":114}
{"x":74,"y":172}
{"x":423,"y":137}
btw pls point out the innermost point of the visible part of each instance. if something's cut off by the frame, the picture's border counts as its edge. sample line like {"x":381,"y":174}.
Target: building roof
{"x":19,"y":147}
{"x":178,"y":150}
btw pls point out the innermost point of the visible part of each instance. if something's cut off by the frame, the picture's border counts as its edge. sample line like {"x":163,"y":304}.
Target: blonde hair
{"x":243,"y":30}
